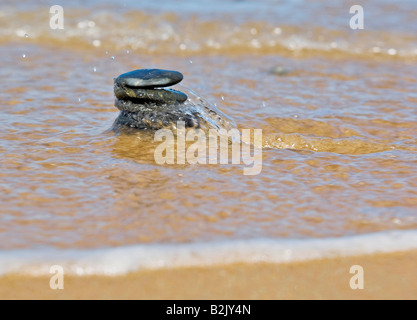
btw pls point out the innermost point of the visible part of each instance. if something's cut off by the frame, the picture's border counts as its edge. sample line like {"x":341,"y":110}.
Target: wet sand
{"x":386,"y":276}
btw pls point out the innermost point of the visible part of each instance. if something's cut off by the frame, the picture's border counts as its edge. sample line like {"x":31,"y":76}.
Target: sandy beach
{"x":386,"y":276}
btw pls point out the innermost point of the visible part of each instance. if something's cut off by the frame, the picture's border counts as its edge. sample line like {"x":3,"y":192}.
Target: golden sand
{"x":386,"y":276}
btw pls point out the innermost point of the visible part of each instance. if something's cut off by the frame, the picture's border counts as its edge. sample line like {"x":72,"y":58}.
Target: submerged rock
{"x":279,"y":71}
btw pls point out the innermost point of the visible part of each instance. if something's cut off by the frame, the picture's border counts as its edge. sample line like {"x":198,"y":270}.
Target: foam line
{"x":122,"y":260}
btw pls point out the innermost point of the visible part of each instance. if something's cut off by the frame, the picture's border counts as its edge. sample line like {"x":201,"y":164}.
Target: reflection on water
{"x":339,"y":154}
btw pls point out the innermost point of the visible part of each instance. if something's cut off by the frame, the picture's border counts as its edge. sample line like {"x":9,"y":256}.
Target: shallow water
{"x":339,"y":124}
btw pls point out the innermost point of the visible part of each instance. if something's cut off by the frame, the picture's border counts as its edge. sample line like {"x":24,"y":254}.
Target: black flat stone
{"x":149,"y":78}
{"x":149,"y":95}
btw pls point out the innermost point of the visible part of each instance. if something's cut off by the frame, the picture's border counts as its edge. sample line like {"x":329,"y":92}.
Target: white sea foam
{"x":121,"y":260}
{"x":238,"y":28}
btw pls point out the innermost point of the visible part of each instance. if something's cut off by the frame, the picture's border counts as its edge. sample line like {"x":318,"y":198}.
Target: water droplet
{"x":112,"y":57}
{"x":94,"y":69}
{"x":23,"y":56}
{"x":183,"y":46}
{"x":191,"y":61}
{"x":96,"y":43}
{"x":392,"y":52}
{"x":263,"y":104}
{"x":79,"y":99}
{"x":255,"y":43}
{"x":277,"y":31}
{"x":376,"y":49}
{"x":127,"y":51}
{"x":21,"y":33}
{"x":26,"y":35}
{"x":222,"y":98}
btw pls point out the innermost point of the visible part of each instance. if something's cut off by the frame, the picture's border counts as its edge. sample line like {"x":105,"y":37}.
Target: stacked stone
{"x":145,"y":104}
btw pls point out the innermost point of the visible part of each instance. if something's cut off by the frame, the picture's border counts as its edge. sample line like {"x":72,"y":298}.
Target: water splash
{"x":217,"y":119}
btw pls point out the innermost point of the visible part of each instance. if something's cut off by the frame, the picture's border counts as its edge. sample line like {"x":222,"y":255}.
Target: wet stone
{"x":149,"y":78}
{"x":144,"y":103}
{"x":151,"y":117}
{"x":149,"y":95}
{"x":279,"y":71}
